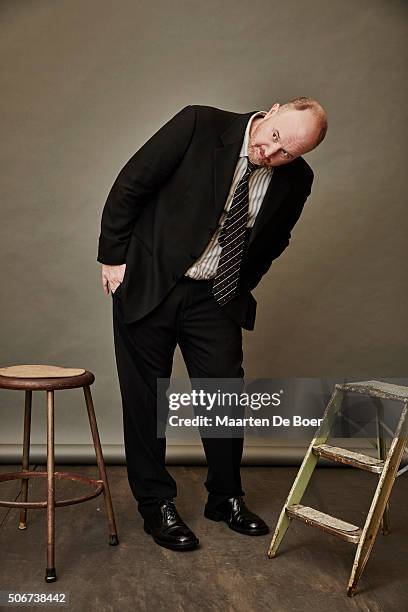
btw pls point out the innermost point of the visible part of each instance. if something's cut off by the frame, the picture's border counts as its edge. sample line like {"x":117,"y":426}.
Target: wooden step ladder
{"x":386,"y":466}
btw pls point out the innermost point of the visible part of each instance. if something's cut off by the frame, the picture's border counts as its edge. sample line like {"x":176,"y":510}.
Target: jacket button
{"x":175,"y":277}
{"x":193,"y":256}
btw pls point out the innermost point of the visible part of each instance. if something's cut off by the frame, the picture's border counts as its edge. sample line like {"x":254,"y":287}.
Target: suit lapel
{"x":226,"y":157}
{"x":225,"y":160}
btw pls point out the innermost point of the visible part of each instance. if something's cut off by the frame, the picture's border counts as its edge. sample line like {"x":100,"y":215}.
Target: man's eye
{"x":285,"y":153}
{"x":274,"y":136}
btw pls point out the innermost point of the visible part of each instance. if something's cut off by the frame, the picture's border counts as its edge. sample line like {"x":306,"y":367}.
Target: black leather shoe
{"x":237,"y":516}
{"x":168,"y":529}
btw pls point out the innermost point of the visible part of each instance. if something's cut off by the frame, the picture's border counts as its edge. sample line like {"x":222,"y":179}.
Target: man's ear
{"x":273,"y":109}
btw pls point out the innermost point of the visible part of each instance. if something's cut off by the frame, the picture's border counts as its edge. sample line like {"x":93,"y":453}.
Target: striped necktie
{"x":232,"y":241}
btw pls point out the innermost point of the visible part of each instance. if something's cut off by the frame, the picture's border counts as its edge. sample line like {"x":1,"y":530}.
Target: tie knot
{"x":251,"y":167}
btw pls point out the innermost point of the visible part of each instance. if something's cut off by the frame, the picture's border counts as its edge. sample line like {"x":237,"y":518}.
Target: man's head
{"x":286,"y":132}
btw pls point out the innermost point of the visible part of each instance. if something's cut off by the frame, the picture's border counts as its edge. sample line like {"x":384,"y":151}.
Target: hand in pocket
{"x":112,"y":277}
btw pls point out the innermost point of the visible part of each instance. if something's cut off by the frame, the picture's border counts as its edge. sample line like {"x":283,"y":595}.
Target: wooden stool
{"x":50,"y":378}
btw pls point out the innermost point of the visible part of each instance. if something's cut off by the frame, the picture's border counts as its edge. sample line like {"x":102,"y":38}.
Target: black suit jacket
{"x":166,"y":202}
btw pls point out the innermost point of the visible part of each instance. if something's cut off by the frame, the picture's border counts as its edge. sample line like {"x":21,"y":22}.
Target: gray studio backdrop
{"x":86,"y":82}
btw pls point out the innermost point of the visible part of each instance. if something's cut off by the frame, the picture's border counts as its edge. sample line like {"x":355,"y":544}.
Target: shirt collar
{"x":244,"y":148}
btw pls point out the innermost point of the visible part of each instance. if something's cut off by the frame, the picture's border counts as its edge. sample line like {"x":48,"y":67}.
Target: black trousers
{"x":211,"y":346}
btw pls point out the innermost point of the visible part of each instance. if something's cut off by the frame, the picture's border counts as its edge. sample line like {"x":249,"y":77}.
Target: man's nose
{"x":271,"y":149}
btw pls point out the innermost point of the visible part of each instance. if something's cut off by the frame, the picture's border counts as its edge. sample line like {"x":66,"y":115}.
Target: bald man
{"x":191,"y":224}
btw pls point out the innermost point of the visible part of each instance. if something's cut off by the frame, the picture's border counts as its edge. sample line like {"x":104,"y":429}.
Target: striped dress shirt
{"x":205,"y":267}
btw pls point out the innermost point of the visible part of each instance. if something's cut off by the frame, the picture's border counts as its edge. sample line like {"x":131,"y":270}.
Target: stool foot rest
{"x":348,"y":457}
{"x":329,"y":524}
{"x":97,"y":485}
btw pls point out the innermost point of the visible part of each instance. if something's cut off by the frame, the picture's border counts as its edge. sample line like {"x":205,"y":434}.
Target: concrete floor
{"x":229,"y":572}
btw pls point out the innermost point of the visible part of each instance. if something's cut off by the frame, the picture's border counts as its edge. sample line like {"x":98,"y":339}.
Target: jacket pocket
{"x":117,"y":290}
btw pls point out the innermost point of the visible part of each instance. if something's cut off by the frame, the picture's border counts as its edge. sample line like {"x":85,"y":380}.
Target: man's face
{"x":281,"y":136}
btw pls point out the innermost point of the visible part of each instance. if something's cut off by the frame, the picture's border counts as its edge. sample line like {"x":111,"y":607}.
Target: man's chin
{"x":256,"y":159}
{"x":262,"y":162}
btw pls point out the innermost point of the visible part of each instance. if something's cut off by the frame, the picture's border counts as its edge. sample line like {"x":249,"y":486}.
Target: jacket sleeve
{"x":141,"y":176}
{"x":299,"y":198}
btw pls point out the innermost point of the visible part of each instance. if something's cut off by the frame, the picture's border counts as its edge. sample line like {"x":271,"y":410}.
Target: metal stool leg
{"x":26,"y":456}
{"x":382,"y":454}
{"x":113,"y":536}
{"x":50,"y":575}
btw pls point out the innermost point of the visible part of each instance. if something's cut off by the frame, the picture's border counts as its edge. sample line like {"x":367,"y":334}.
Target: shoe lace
{"x":169,"y":510}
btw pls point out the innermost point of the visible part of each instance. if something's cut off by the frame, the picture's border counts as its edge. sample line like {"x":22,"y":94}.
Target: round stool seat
{"x":43,"y":377}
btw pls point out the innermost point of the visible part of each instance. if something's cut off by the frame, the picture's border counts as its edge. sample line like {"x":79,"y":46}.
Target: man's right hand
{"x":112,"y":276}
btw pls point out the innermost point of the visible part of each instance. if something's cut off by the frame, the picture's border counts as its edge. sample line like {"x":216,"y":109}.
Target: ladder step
{"x":376,"y":388}
{"x":330,"y":524}
{"x":343,"y":455}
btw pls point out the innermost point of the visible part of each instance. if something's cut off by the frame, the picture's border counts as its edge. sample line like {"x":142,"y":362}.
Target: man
{"x":192,"y":222}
